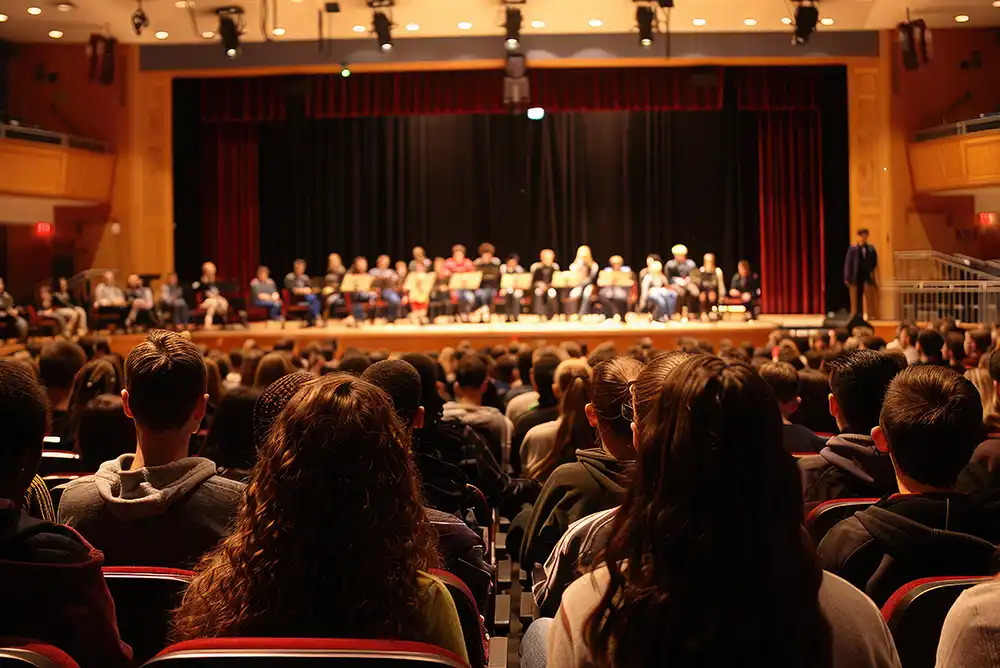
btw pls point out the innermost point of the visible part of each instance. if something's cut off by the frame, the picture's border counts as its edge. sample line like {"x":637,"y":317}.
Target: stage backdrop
{"x":747,"y":163}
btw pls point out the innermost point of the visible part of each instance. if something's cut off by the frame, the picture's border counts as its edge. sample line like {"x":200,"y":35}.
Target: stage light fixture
{"x":383,"y":30}
{"x":806,"y":18}
{"x":345,"y":71}
{"x":513,"y":27}
{"x":229,"y":30}
{"x":536,"y":113}
{"x":516,"y":87}
{"x":645,"y":17}
{"x":139,"y":19}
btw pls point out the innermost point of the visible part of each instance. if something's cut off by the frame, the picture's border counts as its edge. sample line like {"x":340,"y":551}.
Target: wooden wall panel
{"x":38,"y":170}
{"x":956,"y":163}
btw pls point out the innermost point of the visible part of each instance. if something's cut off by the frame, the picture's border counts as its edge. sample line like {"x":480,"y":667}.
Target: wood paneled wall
{"x":40,"y":170}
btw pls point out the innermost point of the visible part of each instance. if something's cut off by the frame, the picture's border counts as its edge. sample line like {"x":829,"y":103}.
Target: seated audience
{"x":272,"y":366}
{"x":550,"y":444}
{"x":230,"y":440}
{"x":157,"y":507}
{"x":264,"y":293}
{"x":103,"y":432}
{"x":850,"y":466}
{"x":11,"y":316}
{"x":931,"y":422}
{"x":978,"y":343}
{"x":58,"y":364}
{"x":930,"y":348}
{"x":53,"y":588}
{"x":64,"y":317}
{"x":523,"y":359}
{"x":598,"y":478}
{"x":970,"y":637}
{"x":471,"y":382}
{"x":336,"y":452}
{"x":954,"y":350}
{"x":95,"y":378}
{"x":141,"y":304}
{"x":905,"y":341}
{"x":543,"y":375}
{"x":986,"y":386}
{"x":784,"y":382}
{"x":355,"y":363}
{"x":173,"y":302}
{"x":668,"y":594}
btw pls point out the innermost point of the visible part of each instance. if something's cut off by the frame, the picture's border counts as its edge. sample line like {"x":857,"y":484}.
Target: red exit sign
{"x":44,"y":229}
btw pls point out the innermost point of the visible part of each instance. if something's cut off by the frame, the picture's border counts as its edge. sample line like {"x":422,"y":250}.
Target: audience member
{"x":230,"y":440}
{"x":986,"y":387}
{"x":95,"y":378}
{"x":971,"y":634}
{"x":978,"y":343}
{"x":471,"y":382}
{"x":58,"y":364}
{"x":524,"y":358}
{"x":905,"y":341}
{"x":543,"y":372}
{"x":103,"y":432}
{"x":272,"y":366}
{"x":784,"y":383}
{"x":248,"y":371}
{"x":157,"y":507}
{"x":11,"y":316}
{"x":954,"y":351}
{"x":930,"y":348}
{"x":550,"y":444}
{"x":53,"y":588}
{"x":931,"y":422}
{"x":354,"y":363}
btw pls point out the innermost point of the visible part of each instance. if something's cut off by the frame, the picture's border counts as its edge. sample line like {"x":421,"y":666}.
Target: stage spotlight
{"x":806,"y":18}
{"x":139,"y":19}
{"x":536,"y":113}
{"x":513,"y":27}
{"x":645,"y":17}
{"x":229,"y":30}
{"x":345,"y":71}
{"x":383,"y":30}
{"x":516,"y":88}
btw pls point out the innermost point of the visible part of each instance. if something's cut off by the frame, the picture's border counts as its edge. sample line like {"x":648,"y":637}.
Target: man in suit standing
{"x":859,"y":271}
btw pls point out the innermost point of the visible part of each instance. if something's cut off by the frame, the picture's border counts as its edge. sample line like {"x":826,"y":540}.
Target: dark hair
{"x":863,"y":232}
{"x":95,"y":378}
{"x":24,"y":413}
{"x":354,"y":363}
{"x":471,"y":372}
{"x":814,"y":409}
{"x":103,"y":432}
{"x":982,"y":338}
{"x":956,"y":345}
{"x":873,"y":342}
{"x":59,"y":362}
{"x":612,"y":396}
{"x":213,"y":386}
{"x":673,"y":595}
{"x":487,"y":247}
{"x":299,"y":260}
{"x":165,"y":377}
{"x":236,"y":359}
{"x":504,"y":368}
{"x":994,"y":367}
{"x":337,"y":451}
{"x":814,"y":358}
{"x":273,"y":400}
{"x":221,"y":362}
{"x":458,"y":248}
{"x":248,"y":370}
{"x":783,"y":380}
{"x":933,"y":420}
{"x":524,"y":357}
{"x":230,"y":440}
{"x":931,"y":342}
{"x":514,"y":256}
{"x":271,"y":367}
{"x":544,"y":374}
{"x":858,"y":381}
{"x":429,"y":397}
{"x":401,"y":381}
{"x":287,"y":345}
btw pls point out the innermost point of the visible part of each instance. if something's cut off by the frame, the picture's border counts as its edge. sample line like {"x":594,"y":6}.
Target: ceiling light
{"x":750,"y":22}
{"x":359,"y":29}
{"x":229,"y":31}
{"x":464,"y":25}
{"x":345,"y":71}
{"x":644,"y":18}
{"x":826,"y":21}
{"x":65,"y":7}
{"x":512,"y":26}
{"x":278,"y":32}
{"x":208,"y":34}
{"x":383,"y":30}
{"x":34,"y":11}
{"x":541,"y":24}
{"x":3,"y":17}
{"x":962,"y":18}
{"x":413,"y":27}
{"x":162,"y":34}
{"x":996,"y":3}
{"x":55,"y":34}
{"x":786,"y":20}
{"x":181,"y":4}
{"x":595,"y":23}
{"x":699,"y":22}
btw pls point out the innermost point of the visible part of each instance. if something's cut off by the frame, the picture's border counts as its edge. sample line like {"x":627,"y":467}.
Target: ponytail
{"x":574,"y":432}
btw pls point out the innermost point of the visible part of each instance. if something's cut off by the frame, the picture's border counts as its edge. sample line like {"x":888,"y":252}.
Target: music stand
{"x":419,"y":283}
{"x":566,"y":279}
{"x":618,"y":279}
{"x":357,"y":283}
{"x":467,"y":280}
{"x":511,"y":282}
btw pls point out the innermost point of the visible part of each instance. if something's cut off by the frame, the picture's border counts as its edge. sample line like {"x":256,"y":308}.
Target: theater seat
{"x":303,"y":652}
{"x":916,"y":612}
{"x":58,"y":461}
{"x":476,"y":642}
{"x":22,"y":653}
{"x":826,"y":515}
{"x":144,"y":597}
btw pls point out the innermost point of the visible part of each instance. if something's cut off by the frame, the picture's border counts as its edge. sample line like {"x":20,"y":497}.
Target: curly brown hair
{"x":331,"y":533}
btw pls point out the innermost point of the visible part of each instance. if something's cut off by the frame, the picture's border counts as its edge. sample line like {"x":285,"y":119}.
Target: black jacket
{"x":463,"y":553}
{"x":596,"y":481}
{"x":849,"y":467}
{"x":907,"y":537}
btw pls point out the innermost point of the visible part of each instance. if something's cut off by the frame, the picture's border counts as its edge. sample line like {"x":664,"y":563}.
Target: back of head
{"x":230,"y":440}
{"x":504,"y":368}
{"x":401,"y":381}
{"x":543,"y":374}
{"x":524,"y":360}
{"x":858,"y":381}
{"x":955,"y":342}
{"x":58,"y":364}
{"x":273,"y":400}
{"x":248,"y":372}
{"x":284,"y":345}
{"x":165,"y":377}
{"x":931,"y":342}
{"x":471,"y":372}
{"x":872,"y":342}
{"x":814,"y":410}
{"x":24,"y":413}
{"x":354,"y":364}
{"x":983,"y":339}
{"x":933,"y":421}
{"x":574,"y":379}
{"x":272,"y":367}
{"x":783,"y":380}
{"x":427,"y":369}
{"x":104,"y":432}
{"x":612,"y":395}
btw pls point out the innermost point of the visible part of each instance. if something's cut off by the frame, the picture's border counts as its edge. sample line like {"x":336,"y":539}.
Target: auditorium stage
{"x":410,"y":338}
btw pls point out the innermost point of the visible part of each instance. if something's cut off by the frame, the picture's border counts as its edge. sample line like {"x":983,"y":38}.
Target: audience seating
{"x":826,"y":515}
{"x":143,"y":599}
{"x":58,"y":462}
{"x":23,"y":653}
{"x":296,"y":652}
{"x":476,"y":642}
{"x":41,"y":325}
{"x":291,"y":308}
{"x":915,"y":615}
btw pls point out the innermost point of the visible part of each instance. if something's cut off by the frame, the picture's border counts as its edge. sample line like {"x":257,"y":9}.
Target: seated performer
{"x":335,"y":271}
{"x":512,"y":298}
{"x":614,"y":298}
{"x":585,"y":267}
{"x":109,"y":298}
{"x":546,"y":297}
{"x":299,"y":287}
{"x":745,"y":286}
{"x":650,"y":259}
{"x":657,"y":292}
{"x":489,"y":264}
{"x":61,"y":298}
{"x":440,"y":295}
{"x":420,"y":257}
{"x":388,"y":283}
{"x":10,"y":315}
{"x":65,"y":318}
{"x":402,"y":269}
{"x":416,"y":296}
{"x":264,"y":293}
{"x":140,"y":298}
{"x":359,"y":299}
{"x":711,"y":286}
{"x":458,"y":263}
{"x":679,"y":271}
{"x":211,"y":298}
{"x":172,"y":301}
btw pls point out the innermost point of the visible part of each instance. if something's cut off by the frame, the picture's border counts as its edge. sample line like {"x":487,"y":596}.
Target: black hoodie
{"x":849,"y":467}
{"x":596,"y":481}
{"x":907,"y":537}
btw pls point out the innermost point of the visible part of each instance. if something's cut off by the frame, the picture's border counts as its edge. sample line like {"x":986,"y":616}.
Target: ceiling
{"x":440,"y":18}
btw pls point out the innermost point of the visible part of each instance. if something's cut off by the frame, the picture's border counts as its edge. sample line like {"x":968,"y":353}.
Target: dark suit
{"x":859,"y":272}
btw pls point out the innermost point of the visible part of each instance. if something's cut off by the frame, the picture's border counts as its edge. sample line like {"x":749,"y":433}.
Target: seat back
{"x":826,"y":515}
{"x":302,"y":653}
{"x":58,"y":461}
{"x":143,"y":599}
{"x":915,"y":615}
{"x":476,"y":642}
{"x":23,"y":653}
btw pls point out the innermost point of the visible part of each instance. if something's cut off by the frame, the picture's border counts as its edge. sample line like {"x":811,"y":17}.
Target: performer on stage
{"x":359,"y":299}
{"x":711,"y":285}
{"x":657,"y":292}
{"x":489,"y":264}
{"x":10,"y":314}
{"x":419,"y":300}
{"x":46,"y":307}
{"x":419,"y":257}
{"x":402,"y":269}
{"x":211,"y":298}
{"x":679,"y":271}
{"x":387,"y":281}
{"x":109,"y":298}
{"x":172,"y":301}
{"x":140,"y":299}
{"x":458,"y":263}
{"x":264,"y":293}
{"x":512,"y":298}
{"x":614,"y":298}
{"x":585,"y":267}
{"x":441,"y":295}
{"x":746,"y":287}
{"x":299,"y":286}
{"x":650,"y":259}
{"x":335,"y":271}
{"x":859,"y":272}
{"x":546,"y":298}
{"x":61,"y":298}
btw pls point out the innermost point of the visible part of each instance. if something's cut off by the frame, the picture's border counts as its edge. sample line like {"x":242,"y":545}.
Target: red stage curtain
{"x":776,"y":88}
{"x":231,"y":215}
{"x":791,"y":212}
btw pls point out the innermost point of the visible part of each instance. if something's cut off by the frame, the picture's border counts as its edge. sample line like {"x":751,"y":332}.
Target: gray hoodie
{"x":166,"y":515}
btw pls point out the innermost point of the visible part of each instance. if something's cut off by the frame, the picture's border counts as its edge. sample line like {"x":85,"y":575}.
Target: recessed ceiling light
{"x":749,"y":22}
{"x":208,"y":34}
{"x":3,"y":17}
{"x":413,"y":27}
{"x":826,"y":21}
{"x":55,"y":34}
{"x":162,"y":34}
{"x":278,"y":32}
{"x":464,"y":25}
{"x":541,"y":24}
{"x":359,"y":29}
{"x":595,"y":23}
{"x":996,"y":3}
{"x":786,"y":20}
{"x":699,"y":22}
{"x":65,"y":7}
{"x":962,"y":18}
{"x":34,"y":11}
{"x":181,"y":4}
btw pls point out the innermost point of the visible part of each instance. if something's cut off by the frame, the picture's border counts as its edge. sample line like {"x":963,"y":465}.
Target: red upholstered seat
{"x":21,"y":652}
{"x":476,"y":641}
{"x":144,"y":598}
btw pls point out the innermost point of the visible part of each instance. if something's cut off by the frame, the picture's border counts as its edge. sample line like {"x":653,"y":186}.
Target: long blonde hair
{"x":980,"y":377}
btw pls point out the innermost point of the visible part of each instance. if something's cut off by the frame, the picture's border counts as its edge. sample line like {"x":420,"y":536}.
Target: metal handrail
{"x":930,"y":285}
{"x":984,"y":123}
{"x":21,"y":133}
